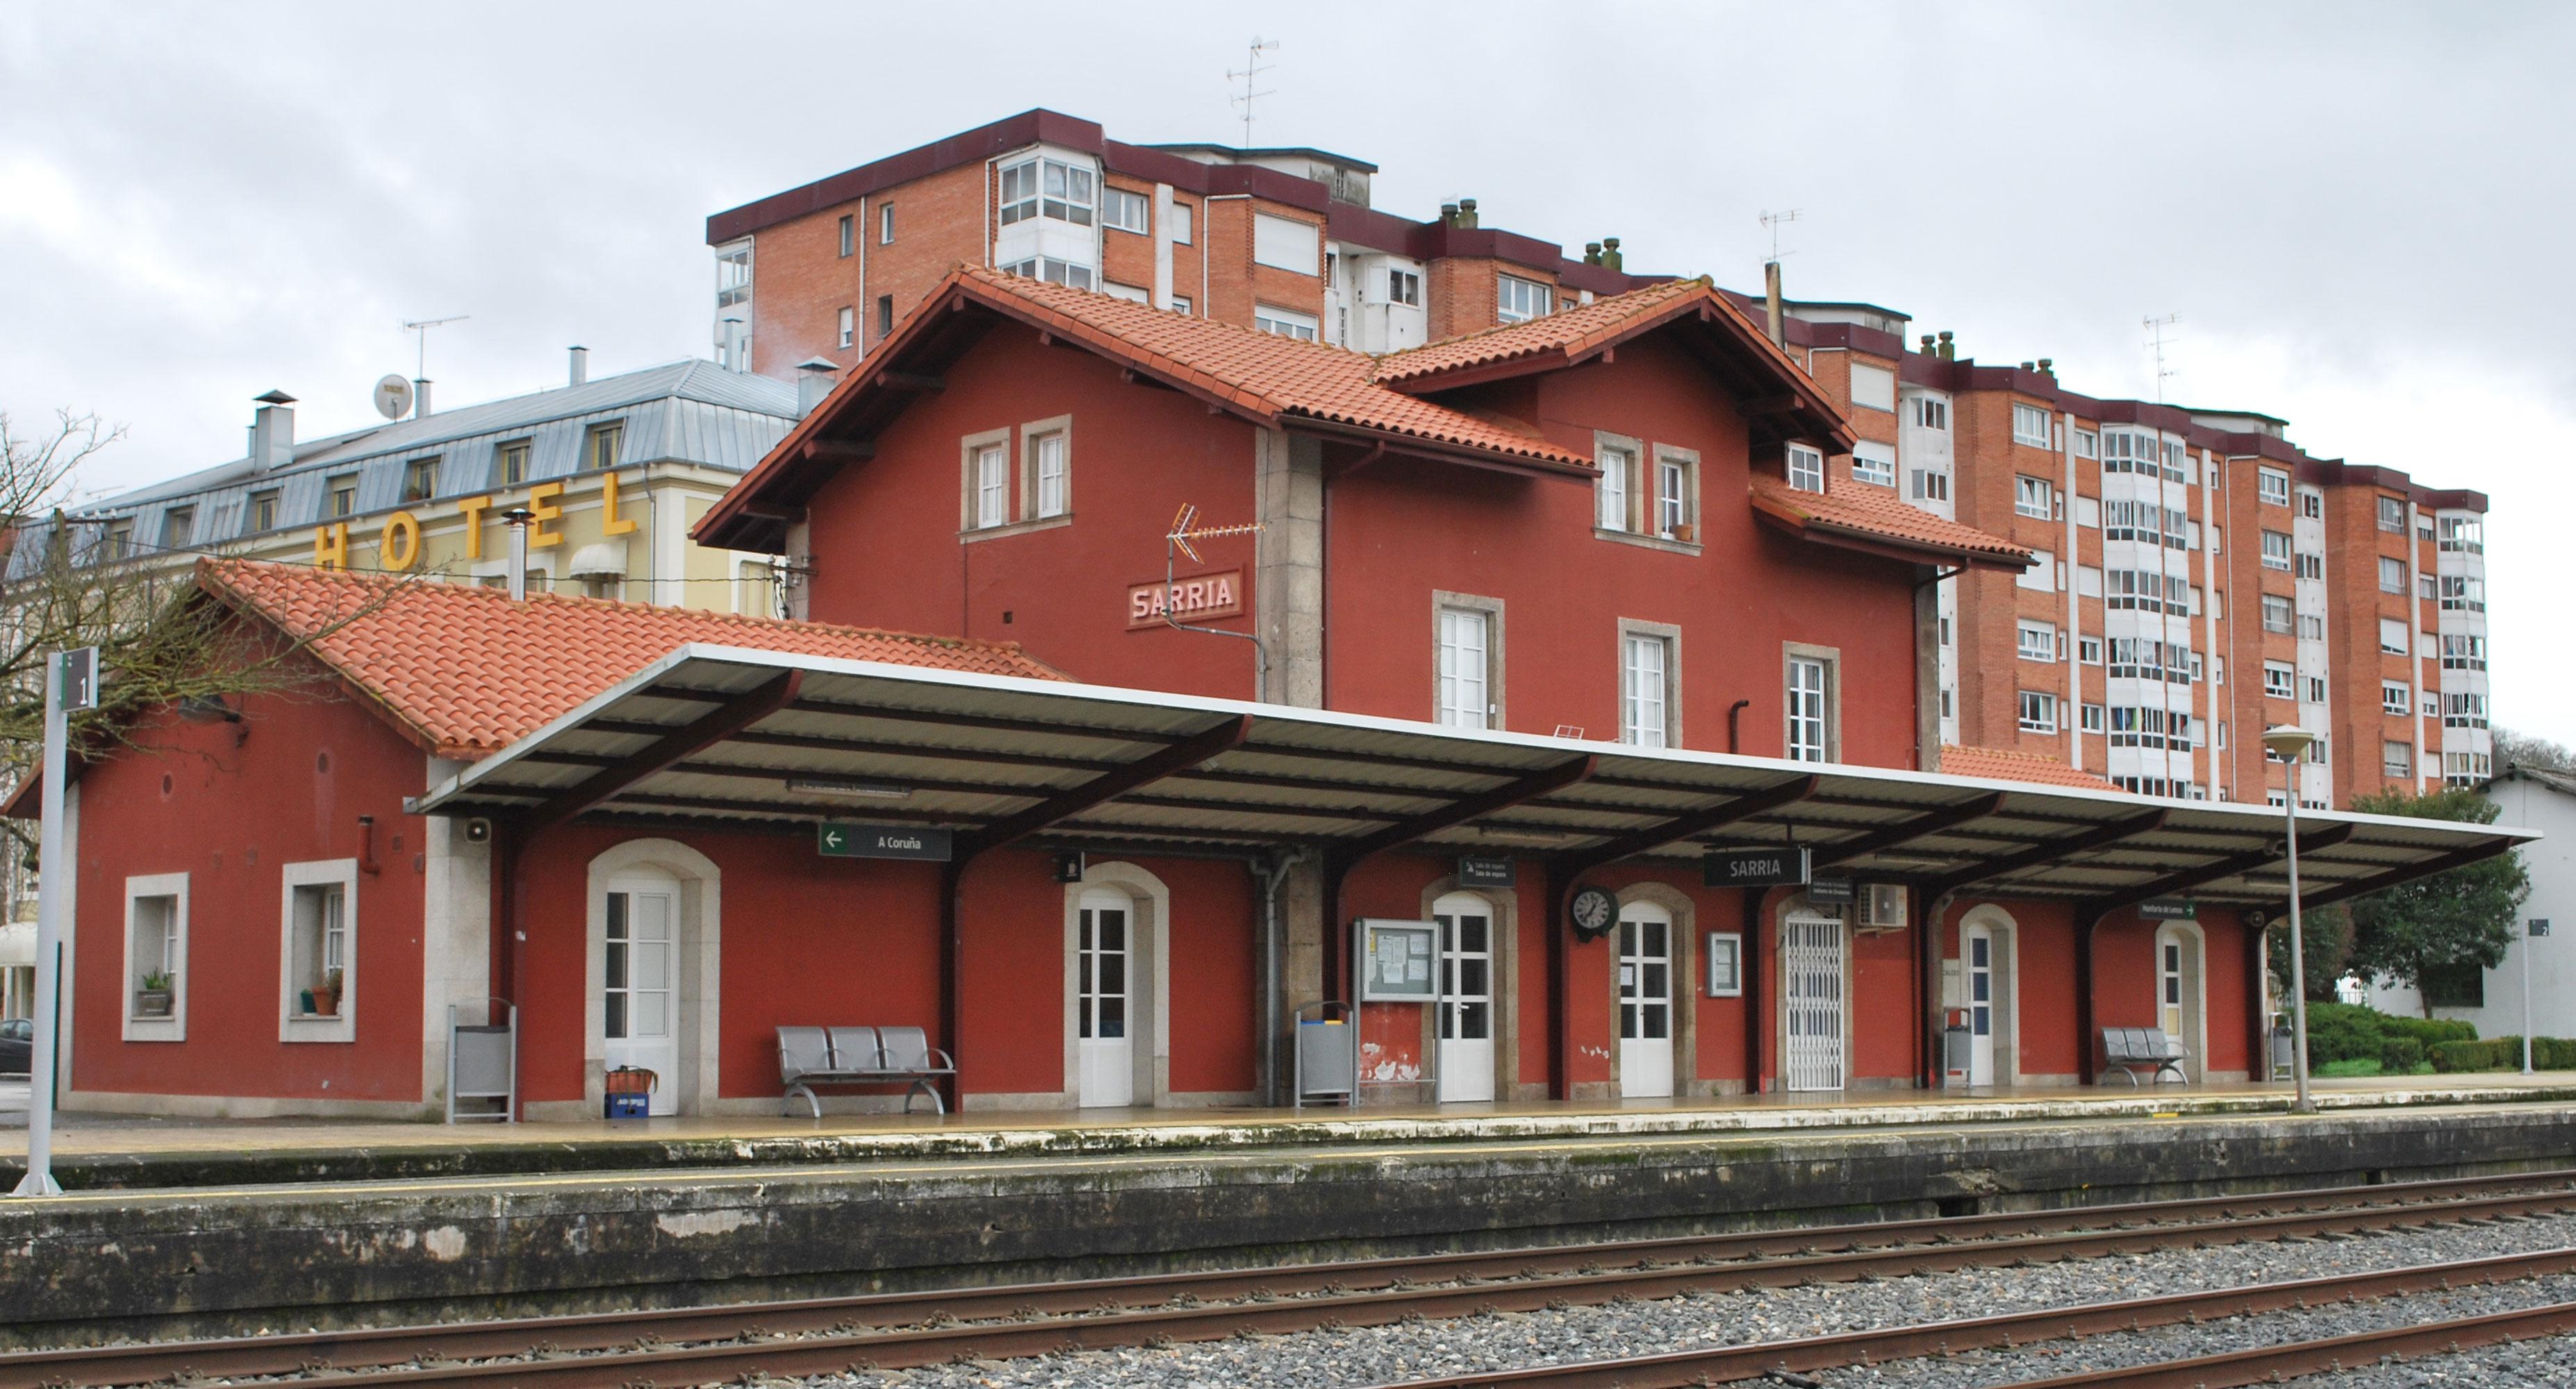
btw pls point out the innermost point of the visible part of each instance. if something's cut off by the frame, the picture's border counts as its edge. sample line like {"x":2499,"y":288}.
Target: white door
{"x":1107,"y":1057}
{"x":1811,"y":960}
{"x":1981,"y":1005}
{"x":641,"y":1004}
{"x":2178,"y":993}
{"x":1645,"y":1000}
{"x":1466,"y":1059}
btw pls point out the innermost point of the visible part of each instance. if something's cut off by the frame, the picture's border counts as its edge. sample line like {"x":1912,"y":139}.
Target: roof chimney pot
{"x":1771,"y":303}
{"x":1949,"y":349}
{"x":1448,"y":214}
{"x":1610,"y":253}
{"x":580,"y":365}
{"x":1591,"y":253}
{"x":2048,"y":367}
{"x":1467,"y":213}
{"x":814,"y":380}
{"x":420,"y":398}
{"x":1927,"y":344}
{"x":272,"y":432}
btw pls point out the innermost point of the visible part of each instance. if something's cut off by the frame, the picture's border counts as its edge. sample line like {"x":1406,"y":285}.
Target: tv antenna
{"x":421,"y":327}
{"x":1177,"y":541}
{"x":1771,"y":223}
{"x":1253,"y":67}
{"x":2156,"y":339}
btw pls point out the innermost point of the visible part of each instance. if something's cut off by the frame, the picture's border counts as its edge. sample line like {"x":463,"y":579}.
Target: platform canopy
{"x":725,"y":738}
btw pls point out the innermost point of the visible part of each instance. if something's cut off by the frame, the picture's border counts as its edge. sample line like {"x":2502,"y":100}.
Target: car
{"x":17,"y":1046}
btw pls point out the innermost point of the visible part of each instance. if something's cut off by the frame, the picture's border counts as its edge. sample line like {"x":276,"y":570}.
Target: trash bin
{"x":1327,"y":1054}
{"x":2285,"y":1053}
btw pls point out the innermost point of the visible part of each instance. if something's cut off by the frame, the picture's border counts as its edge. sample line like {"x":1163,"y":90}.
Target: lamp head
{"x":2288,"y":741}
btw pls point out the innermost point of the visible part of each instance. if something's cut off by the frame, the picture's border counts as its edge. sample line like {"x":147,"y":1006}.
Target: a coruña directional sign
{"x":1753,"y":867}
{"x":836,"y":840}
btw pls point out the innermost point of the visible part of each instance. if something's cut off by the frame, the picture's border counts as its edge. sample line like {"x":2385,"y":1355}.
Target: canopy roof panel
{"x":723,"y":737}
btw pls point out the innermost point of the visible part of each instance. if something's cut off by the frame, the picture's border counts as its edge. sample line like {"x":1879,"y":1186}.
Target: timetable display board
{"x":1398,"y":960}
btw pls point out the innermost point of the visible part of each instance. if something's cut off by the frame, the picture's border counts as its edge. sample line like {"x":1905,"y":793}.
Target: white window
{"x":1806,"y":469}
{"x":1931,"y":412}
{"x":849,"y":325}
{"x":2311,"y":565}
{"x":318,"y":921}
{"x":1873,"y":387}
{"x":1465,"y":668}
{"x":1285,"y":244}
{"x":849,"y":235}
{"x":1287,"y":323}
{"x":1403,"y":287}
{"x":1931,"y":485}
{"x":2034,"y":497}
{"x":2464,"y":710}
{"x":2392,"y":636}
{"x":1053,"y":271}
{"x":1036,"y":187}
{"x":1725,"y":964}
{"x":1806,"y":710}
{"x":1517,"y":300}
{"x":1645,"y":690}
{"x":885,"y":224}
{"x":2092,"y":715}
{"x":2463,"y":535}
{"x":1121,"y":210}
{"x":1053,"y":463}
{"x":1180,"y":220}
{"x":2042,"y":574}
{"x":1180,"y":303}
{"x":2038,"y":712}
{"x":2316,"y":689}
{"x":2312,"y":504}
{"x":2088,"y":444}
{"x":2396,"y":759}
{"x":2030,"y":425}
{"x":156,"y":958}
{"x":2038,"y":640}
{"x":992,"y":485}
{"x":2392,"y":514}
{"x":2279,"y":681}
{"x":1673,"y":496}
{"x":2089,"y":650}
{"x":2276,"y":550}
{"x":2276,"y":614}
{"x":2461,"y":592}
{"x":2392,"y":575}
{"x":2464,"y":653}
{"x":2396,"y":697}
{"x":1134,"y":294}
{"x":1618,"y":469}
{"x":2272,"y":485}
{"x":1874,"y":463}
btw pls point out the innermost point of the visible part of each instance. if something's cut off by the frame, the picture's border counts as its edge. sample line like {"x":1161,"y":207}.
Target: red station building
{"x":1545,"y":622}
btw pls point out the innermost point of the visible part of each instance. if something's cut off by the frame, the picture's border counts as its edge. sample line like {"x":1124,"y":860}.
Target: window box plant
{"x":153,"y":999}
{"x":326,"y":999}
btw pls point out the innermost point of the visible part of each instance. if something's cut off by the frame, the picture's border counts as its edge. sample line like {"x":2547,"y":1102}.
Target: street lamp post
{"x":2290,"y":743}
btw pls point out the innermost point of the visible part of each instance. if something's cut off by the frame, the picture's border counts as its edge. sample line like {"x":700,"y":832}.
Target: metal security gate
{"x":1811,"y":957}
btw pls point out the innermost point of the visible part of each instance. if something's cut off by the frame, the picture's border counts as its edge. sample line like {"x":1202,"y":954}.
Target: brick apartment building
{"x":2199,"y":578}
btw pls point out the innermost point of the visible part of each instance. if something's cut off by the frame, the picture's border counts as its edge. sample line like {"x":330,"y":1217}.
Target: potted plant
{"x":153,"y":999}
{"x":326,"y":999}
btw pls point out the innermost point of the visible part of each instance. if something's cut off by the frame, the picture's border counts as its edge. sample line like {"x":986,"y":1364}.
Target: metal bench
{"x":811,"y":1056}
{"x":2130,"y":1049}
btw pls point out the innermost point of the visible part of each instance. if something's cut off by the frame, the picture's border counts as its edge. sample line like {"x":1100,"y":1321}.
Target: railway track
{"x":887,"y":1331}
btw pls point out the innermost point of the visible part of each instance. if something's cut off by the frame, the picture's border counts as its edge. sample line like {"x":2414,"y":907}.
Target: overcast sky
{"x":2361,"y":213}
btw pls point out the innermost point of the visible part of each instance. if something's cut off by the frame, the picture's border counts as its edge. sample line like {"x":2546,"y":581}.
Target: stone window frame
{"x":1493,"y":610}
{"x":1832,"y":656}
{"x":1671,"y":636}
{"x":1027,"y":509}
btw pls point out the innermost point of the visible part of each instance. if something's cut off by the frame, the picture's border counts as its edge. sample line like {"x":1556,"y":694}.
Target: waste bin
{"x":2285,"y":1052}
{"x":1327,"y":1054}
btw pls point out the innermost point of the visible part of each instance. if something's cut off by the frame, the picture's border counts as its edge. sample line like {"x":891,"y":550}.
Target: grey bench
{"x":811,"y":1056}
{"x":2132,"y":1049}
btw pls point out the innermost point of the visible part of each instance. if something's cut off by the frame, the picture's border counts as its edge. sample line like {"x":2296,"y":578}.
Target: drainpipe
{"x":1734,"y":724}
{"x":1272,"y":876}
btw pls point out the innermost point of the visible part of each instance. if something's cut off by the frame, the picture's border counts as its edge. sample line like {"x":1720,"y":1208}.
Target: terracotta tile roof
{"x":1861,"y":511}
{"x":2007,"y":764}
{"x":467,"y":671}
{"x":1264,"y":374}
{"x":1570,"y":333}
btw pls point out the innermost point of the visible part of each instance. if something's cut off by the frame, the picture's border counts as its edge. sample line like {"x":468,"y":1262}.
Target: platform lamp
{"x":2290,"y":743}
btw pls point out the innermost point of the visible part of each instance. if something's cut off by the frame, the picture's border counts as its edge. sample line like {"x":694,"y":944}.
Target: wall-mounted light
{"x":848,"y":786}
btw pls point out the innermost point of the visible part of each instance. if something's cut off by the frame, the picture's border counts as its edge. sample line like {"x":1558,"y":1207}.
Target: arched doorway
{"x":1645,"y":984}
{"x":1117,"y":991}
{"x":656,"y":939}
{"x":2182,"y":994}
{"x":1988,"y":992}
{"x":1468,"y":940}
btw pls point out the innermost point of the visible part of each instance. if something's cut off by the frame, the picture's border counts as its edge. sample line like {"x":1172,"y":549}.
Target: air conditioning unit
{"x":1880,"y":907}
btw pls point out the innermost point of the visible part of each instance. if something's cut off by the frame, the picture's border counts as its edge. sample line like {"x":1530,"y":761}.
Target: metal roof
{"x":709,"y":737}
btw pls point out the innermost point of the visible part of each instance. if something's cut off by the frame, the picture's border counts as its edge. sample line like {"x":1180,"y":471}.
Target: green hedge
{"x":2505,"y":1054}
{"x":2350,"y":1032}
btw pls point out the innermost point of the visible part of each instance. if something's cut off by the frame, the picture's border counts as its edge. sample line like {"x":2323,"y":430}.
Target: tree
{"x":2456,"y":920}
{"x":2327,"y":935}
{"x":2514,"y":748}
{"x":161,"y":642}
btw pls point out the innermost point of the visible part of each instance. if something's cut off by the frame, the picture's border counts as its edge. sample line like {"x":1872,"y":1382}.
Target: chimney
{"x":272,"y":432}
{"x":813,"y":382}
{"x":2048,"y":367}
{"x":1927,"y":345}
{"x":1467,"y":213}
{"x":580,"y":365}
{"x":518,"y":518}
{"x":2029,"y":366}
{"x":1610,"y":253}
{"x":1591,"y":253}
{"x":419,"y":399}
{"x":1949,"y":349}
{"x":1771,"y":297}
{"x":1448,"y":214}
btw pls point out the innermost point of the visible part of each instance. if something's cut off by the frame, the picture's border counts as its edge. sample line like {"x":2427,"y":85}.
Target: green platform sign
{"x":835,"y":840}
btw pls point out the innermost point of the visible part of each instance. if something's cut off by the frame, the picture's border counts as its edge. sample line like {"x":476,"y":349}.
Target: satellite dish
{"x":393,"y":396}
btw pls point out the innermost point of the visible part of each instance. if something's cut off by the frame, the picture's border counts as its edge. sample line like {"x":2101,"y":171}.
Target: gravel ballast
{"x":1380,"y":1355}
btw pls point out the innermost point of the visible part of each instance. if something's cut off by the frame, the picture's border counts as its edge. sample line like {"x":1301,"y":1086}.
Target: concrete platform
{"x":97,"y":1152}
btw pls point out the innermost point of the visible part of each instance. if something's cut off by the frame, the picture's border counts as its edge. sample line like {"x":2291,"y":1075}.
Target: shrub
{"x":2553,"y":1053}
{"x":2491,"y":1054}
{"x":2400,"y":1056}
{"x":2429,"y":1031}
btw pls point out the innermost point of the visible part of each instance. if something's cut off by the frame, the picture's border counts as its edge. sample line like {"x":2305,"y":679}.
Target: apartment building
{"x":612,"y":473}
{"x":2139,"y":646}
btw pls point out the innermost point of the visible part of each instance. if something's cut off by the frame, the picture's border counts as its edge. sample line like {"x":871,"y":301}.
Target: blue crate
{"x":629,"y":1106}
